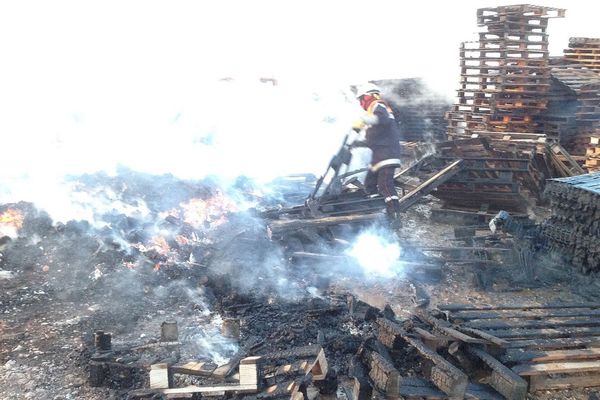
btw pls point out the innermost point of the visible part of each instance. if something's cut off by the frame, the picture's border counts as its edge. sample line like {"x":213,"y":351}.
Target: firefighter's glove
{"x":358,"y":126}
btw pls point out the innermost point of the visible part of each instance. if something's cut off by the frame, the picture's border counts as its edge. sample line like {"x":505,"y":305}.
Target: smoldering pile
{"x":171,"y":250}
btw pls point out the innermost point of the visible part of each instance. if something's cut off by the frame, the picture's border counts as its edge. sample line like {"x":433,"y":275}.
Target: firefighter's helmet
{"x":367,"y":88}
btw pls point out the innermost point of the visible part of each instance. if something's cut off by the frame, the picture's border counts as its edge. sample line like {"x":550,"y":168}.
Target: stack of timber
{"x":573,"y":230}
{"x":558,"y":120}
{"x":505,"y":75}
{"x":495,"y":179}
{"x":580,"y":104}
{"x":418,"y":108}
{"x":551,"y":346}
{"x":584,"y":51}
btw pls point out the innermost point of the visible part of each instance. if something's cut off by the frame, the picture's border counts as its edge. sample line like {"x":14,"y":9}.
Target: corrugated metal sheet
{"x":589,"y":182}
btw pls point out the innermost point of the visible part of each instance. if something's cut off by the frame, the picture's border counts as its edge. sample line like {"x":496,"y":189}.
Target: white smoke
{"x":377,"y":254}
{"x":226,"y":129}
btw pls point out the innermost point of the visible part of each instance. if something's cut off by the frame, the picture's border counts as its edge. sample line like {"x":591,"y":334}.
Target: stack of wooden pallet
{"x":505,"y":75}
{"x":580,"y":101}
{"x":585,"y":51}
{"x":491,"y":177}
{"x":573,"y":231}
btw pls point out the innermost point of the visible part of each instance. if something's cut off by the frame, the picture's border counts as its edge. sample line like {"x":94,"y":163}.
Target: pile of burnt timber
{"x":339,"y":210}
{"x":505,"y":75}
{"x":496,"y":179}
{"x":285,"y":374}
{"x":584,"y":51}
{"x":514,"y":349}
{"x":573,"y":231}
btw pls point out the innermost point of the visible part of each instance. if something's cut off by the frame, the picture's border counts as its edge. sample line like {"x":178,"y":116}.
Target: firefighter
{"x":382,"y":136}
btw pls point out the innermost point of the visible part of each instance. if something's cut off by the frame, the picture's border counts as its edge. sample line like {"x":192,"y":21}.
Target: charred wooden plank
{"x":546,"y":323}
{"x":314,"y":354}
{"x":519,"y":356}
{"x":194,"y":368}
{"x":384,"y":375}
{"x":560,"y":332}
{"x":459,"y":307}
{"x":430,"y":184}
{"x":447,"y":329}
{"x":389,"y":333}
{"x":361,"y":389}
{"x":430,"y":340}
{"x":546,"y":382}
{"x":557,"y":368}
{"x":225,"y":370}
{"x":485,"y":335}
{"x":526,"y":314}
{"x":553,"y":344}
{"x":278,"y":228}
{"x":505,"y":381}
{"x":416,"y":388}
{"x":444,"y":375}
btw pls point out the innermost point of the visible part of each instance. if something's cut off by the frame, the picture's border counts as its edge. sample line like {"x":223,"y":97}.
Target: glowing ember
{"x":160,"y":245}
{"x":11,"y":221}
{"x":129,"y":265}
{"x":182,"y":240}
{"x":208,"y":213}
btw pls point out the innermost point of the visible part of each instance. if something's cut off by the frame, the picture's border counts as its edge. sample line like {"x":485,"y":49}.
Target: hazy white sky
{"x":83,"y":83}
{"x":149,"y":48}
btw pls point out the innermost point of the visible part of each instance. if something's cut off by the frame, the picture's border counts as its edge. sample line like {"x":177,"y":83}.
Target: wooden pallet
{"x":553,"y":346}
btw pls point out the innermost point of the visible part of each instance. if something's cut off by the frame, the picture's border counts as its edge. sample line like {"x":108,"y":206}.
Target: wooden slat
{"x":210,"y":389}
{"x":545,"y":332}
{"x":447,"y":329}
{"x":550,"y":356}
{"x":546,"y":323}
{"x":504,"y":380}
{"x":526,"y":314}
{"x":487,"y":336}
{"x":558,"y":343}
{"x":557,"y":368}
{"x":193,"y":368}
{"x":544,"y":382}
{"x":429,"y":185}
{"x":459,"y":307}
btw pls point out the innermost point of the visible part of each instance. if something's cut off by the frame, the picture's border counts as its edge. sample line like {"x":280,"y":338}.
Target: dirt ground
{"x":47,"y":332}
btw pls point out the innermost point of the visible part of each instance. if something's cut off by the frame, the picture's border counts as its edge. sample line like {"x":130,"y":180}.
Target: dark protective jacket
{"x":383,"y":137}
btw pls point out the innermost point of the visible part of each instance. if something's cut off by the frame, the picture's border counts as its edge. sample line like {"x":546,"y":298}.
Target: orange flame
{"x":12,"y":217}
{"x":200,"y":213}
{"x":160,"y":245}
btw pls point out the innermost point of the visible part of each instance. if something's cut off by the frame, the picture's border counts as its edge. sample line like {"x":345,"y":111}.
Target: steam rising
{"x":377,"y":254}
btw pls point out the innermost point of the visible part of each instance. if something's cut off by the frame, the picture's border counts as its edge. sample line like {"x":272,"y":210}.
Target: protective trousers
{"x":382,"y":182}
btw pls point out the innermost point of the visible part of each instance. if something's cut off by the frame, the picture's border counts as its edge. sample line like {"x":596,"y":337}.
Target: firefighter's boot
{"x":392,"y":209}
